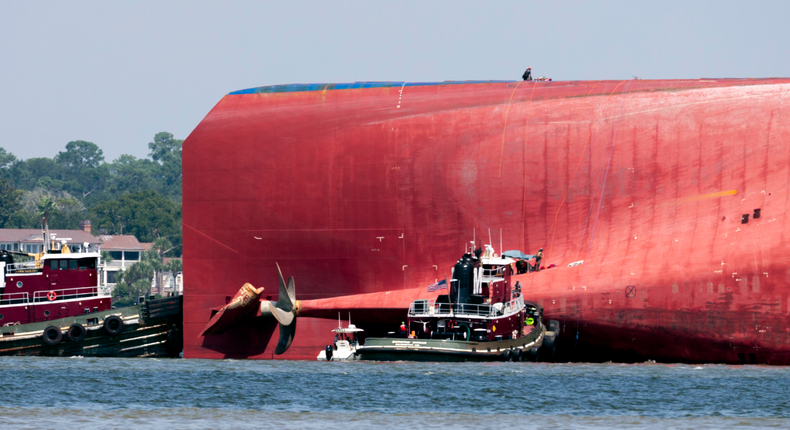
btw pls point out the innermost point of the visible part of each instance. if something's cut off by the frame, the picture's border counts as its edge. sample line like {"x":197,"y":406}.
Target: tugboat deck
{"x":389,"y":349}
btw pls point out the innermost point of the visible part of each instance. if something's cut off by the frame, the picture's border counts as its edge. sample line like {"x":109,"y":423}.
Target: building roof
{"x":30,"y":235}
{"x":121,"y":242}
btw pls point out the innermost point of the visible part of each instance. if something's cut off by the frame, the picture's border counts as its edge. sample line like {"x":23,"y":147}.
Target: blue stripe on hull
{"x":290,"y":88}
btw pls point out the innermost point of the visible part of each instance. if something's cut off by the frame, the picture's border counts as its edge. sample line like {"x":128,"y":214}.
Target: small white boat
{"x":345,"y":346}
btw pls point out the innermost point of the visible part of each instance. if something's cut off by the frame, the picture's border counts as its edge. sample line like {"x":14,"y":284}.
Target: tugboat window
{"x":46,"y":313}
{"x":64,"y":264}
{"x":53,"y":264}
{"x":19,"y":284}
{"x":72,"y":264}
{"x":1,"y":316}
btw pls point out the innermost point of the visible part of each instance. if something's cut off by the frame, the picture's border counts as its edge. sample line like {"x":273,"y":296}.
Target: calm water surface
{"x":131,"y":393}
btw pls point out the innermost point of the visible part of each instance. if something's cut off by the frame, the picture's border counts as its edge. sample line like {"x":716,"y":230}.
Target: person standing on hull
{"x":538,"y":257}
{"x":527,"y":76}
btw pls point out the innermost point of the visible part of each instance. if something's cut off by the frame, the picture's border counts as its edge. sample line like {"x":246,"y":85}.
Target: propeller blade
{"x":287,"y":333}
{"x":284,"y":300}
{"x":291,"y":290}
{"x":284,"y":312}
{"x":283,"y":317}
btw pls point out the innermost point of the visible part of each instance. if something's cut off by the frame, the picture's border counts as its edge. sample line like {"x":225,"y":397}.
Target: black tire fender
{"x":549,"y":338}
{"x":52,"y":335}
{"x":554,"y":326}
{"x":516,"y":354}
{"x":76,"y":333}
{"x":113,"y":325}
{"x":506,"y":355}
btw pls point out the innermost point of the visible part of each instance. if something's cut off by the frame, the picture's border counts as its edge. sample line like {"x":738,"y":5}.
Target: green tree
{"x":80,"y":155}
{"x":133,"y":282}
{"x":174,"y":265}
{"x":37,"y":172}
{"x":166,"y":153}
{"x":145,"y":214}
{"x":9,"y":203}
{"x":6,"y":158}
{"x":130,"y":174}
{"x":82,"y":168}
{"x":46,"y":205}
{"x":136,"y":280}
{"x":61,"y":209}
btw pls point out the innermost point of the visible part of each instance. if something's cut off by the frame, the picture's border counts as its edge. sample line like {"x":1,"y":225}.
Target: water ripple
{"x":75,"y":393}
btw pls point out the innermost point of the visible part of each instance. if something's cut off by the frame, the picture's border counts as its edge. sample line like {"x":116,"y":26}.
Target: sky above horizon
{"x":117,"y":73}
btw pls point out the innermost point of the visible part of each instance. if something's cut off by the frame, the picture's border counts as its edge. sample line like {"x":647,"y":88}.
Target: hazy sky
{"x":116,"y":73}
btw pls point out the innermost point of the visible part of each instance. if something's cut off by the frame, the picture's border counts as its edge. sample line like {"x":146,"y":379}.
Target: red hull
{"x":372,"y":189}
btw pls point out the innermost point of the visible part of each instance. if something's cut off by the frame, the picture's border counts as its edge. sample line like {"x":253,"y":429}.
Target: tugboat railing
{"x":26,"y":267}
{"x":65,"y":294}
{"x":14,"y":299}
{"x":428,"y":308}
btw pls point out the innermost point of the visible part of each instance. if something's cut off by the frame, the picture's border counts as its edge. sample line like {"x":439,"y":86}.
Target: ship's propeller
{"x":285,"y":311}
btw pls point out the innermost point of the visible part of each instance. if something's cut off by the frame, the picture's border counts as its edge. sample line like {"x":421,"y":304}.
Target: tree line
{"x":137,"y":196}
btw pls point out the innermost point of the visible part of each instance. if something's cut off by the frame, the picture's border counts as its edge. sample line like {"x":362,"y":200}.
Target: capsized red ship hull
{"x":672,"y":192}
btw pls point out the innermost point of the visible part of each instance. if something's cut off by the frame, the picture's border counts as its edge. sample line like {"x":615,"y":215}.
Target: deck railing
{"x":65,"y":294}
{"x":14,"y":299}
{"x":431,"y":308}
{"x":26,"y":267}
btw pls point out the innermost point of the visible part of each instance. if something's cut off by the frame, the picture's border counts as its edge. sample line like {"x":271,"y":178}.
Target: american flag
{"x":438,"y":285}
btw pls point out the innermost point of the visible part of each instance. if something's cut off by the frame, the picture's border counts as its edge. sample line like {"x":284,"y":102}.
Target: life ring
{"x":450,"y":324}
{"x":52,"y":335}
{"x":113,"y":325}
{"x":52,"y":296}
{"x":76,"y":333}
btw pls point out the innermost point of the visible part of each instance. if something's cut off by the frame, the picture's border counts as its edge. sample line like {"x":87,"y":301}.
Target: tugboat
{"x":483,"y":318}
{"x":345,"y":346}
{"x":52,"y":304}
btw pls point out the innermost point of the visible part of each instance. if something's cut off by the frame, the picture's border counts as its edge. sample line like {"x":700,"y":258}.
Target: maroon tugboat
{"x":52,"y":303}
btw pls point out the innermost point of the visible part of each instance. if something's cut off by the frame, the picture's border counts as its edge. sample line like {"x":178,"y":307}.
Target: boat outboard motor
{"x":464,"y":273}
{"x":329,"y":353}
